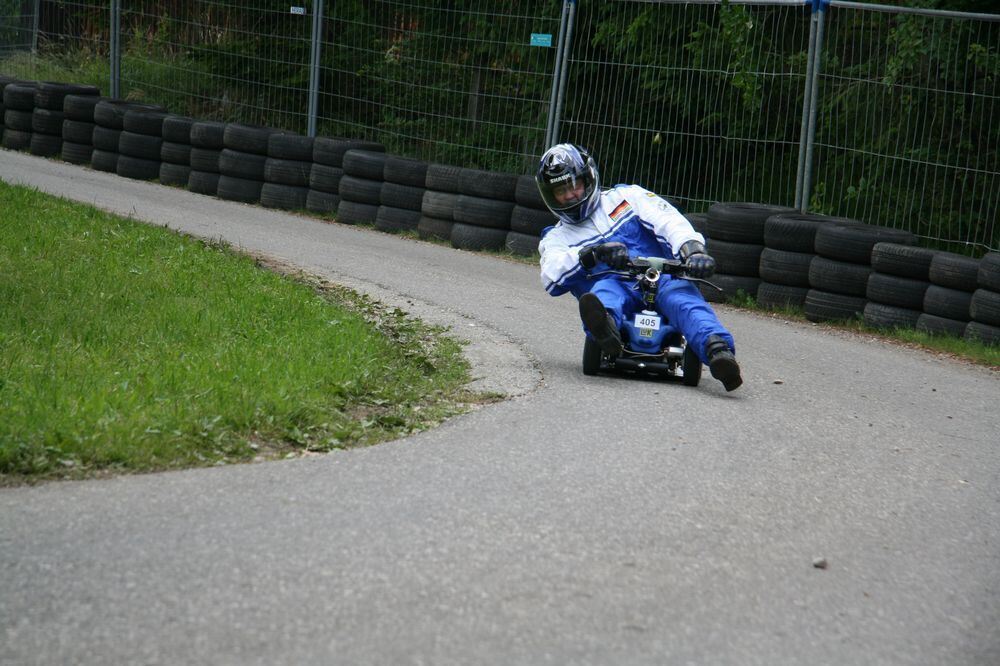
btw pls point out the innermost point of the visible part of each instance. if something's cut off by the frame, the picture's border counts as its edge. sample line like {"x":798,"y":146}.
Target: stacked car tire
{"x":242,"y":162}
{"x":175,"y":152}
{"x":483,"y":210}
{"x":286,"y":171}
{"x":528,"y":219}
{"x":361,"y":186}
{"x":437,"y":209}
{"x":109,"y":123}
{"x":947,"y":303}
{"x":48,"y":116}
{"x":140,"y":144}
{"x":984,"y":307}
{"x":207,"y":141}
{"x":897,"y":285}
{"x":402,"y":194}
{"x":78,"y":128}
{"x":19,"y":107}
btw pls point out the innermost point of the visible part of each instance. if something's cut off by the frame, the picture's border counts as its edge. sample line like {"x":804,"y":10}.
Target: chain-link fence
{"x":880,"y":113}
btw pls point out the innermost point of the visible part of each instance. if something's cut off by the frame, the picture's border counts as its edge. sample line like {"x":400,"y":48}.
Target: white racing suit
{"x":649,"y":227}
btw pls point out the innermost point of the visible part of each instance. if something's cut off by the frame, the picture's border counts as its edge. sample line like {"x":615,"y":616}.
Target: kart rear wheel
{"x":591,"y":356}
{"x":691,"y":367}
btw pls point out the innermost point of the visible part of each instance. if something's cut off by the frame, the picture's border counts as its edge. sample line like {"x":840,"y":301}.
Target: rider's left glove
{"x":699,"y":263}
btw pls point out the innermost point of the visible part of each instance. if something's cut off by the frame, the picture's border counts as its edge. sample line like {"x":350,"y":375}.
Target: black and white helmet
{"x":569,"y":183}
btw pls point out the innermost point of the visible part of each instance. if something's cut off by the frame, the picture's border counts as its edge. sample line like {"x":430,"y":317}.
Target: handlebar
{"x":642,"y":265}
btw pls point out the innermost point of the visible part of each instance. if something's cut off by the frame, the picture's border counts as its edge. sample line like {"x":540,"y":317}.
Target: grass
{"x":130,"y":347}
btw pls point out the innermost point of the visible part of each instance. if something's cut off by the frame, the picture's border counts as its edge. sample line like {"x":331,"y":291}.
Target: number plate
{"x":647,"y":321}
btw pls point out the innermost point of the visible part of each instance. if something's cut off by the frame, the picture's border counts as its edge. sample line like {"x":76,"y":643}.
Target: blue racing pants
{"x":677,"y":300}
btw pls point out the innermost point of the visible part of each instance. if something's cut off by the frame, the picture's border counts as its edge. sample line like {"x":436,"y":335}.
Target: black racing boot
{"x":600,"y":324}
{"x":722,"y":363}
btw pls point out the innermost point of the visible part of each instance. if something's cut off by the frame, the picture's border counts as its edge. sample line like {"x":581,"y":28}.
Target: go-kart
{"x":651,"y":344}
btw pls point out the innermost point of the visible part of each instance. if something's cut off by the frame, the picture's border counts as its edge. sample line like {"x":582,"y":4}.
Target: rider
{"x":603,"y":230}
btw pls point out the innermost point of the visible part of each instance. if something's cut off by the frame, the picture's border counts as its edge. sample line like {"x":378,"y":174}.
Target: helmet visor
{"x":568,"y":191}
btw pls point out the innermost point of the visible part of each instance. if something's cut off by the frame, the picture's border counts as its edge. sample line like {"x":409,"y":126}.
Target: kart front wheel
{"x":691,"y":367}
{"x":591,"y":356}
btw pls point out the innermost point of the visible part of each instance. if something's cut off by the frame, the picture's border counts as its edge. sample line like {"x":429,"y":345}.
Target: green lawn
{"x":126,"y":346}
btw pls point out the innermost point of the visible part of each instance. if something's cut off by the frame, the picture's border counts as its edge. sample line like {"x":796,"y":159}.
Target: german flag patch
{"x":620,"y":211}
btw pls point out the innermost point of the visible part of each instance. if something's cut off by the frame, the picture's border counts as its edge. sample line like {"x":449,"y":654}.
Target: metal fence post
{"x":561,"y":40}
{"x":561,"y":96}
{"x":115,"y":49}
{"x":806,"y":102}
{"x":317,"y":34}
{"x":820,"y":12}
{"x":34,"y":27}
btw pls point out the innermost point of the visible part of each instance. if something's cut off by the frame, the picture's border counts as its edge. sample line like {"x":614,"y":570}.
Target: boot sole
{"x":596,"y":319}
{"x":727,"y":371}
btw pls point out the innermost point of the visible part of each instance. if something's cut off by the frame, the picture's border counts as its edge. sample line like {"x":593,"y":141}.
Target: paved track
{"x":585,"y":521}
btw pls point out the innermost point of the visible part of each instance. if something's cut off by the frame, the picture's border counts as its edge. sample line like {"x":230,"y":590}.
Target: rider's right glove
{"x":615,"y":255}
{"x":700,"y":264}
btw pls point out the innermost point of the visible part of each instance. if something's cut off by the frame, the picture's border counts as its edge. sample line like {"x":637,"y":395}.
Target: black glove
{"x":699,"y":263}
{"x":615,"y":255}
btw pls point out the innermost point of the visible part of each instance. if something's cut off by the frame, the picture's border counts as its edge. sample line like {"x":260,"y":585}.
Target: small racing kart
{"x":651,"y":344}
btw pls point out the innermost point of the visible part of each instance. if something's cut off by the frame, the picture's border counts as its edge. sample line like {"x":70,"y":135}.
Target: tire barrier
{"x":19,"y":107}
{"x":78,"y":128}
{"x":175,"y":153}
{"x":207,"y":141}
{"x":984,"y":305}
{"x":286,"y":171}
{"x":441,"y":185}
{"x":140,"y":144}
{"x":109,"y":125}
{"x":361,"y":185}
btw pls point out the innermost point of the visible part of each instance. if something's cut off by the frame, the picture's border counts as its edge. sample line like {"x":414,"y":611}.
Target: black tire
{"x":295,"y":147}
{"x":401,"y":196}
{"x":405,"y":171}
{"x":47,"y":121}
{"x":45,"y":145}
{"x":741,"y":222}
{"x":433,"y":228}
{"x":903,"y":260}
{"x":698,"y":222}
{"x":16,"y":139}
{"x":364,"y":164}
{"x":176,"y":153}
{"x":691,"y":367}
{"x":898,"y":291}
{"x":989,"y":271}
{"x":144,"y":121}
{"x":854,"y":243}
{"x":174,"y":174}
{"x":393,"y":220}
{"x":443,"y":178}
{"x":355,"y":212}
{"x":331,"y":151}
{"x":208,"y":134}
{"x":796,"y":232}
{"x":955,"y":271}
{"x":81,"y":107}
{"x":826,"y":306}
{"x":325,"y":178}
{"x":287,"y":172}
{"x":526,"y":194}
{"x":244,"y":190}
{"x":18,"y":120}
{"x":488,"y":213}
{"x":979,"y":332}
{"x":321,"y":202}
{"x":284,"y":197}
{"x":889,"y":317}
{"x":237,"y":164}
{"x":78,"y":131}
{"x":77,"y":153}
{"x":473,"y":237}
{"x":839,"y":277}
{"x":985,"y":307}
{"x":143,"y":146}
{"x":948,"y":303}
{"x":732,"y":287}
{"x":205,"y":159}
{"x":591,"y":356}
{"x":361,"y":190}
{"x":104,"y":160}
{"x":440,"y":205}
{"x":177,"y":129}
{"x":531,"y":221}
{"x":138,"y":168}
{"x":935,"y":325}
{"x":53,"y":95}
{"x":111,"y":112}
{"x":203,"y":182}
{"x":781,"y":296}
{"x":105,"y":138}
{"x":247,"y":138}
{"x":524,"y":245}
{"x":20,"y":96}
{"x":785,"y":267}
{"x":488,"y":185}
{"x":736,"y":258}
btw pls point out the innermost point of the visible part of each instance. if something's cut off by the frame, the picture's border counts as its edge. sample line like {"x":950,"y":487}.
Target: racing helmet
{"x":568,"y":182}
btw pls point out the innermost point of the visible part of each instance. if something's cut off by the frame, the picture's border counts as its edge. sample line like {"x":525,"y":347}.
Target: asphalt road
{"x":584,"y":520}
